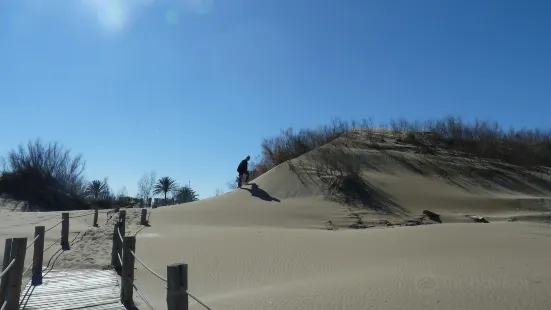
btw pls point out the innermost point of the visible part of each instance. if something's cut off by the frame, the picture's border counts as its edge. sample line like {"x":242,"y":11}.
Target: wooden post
{"x":95,"y":217}
{"x":118,"y":245}
{"x":122,"y":222}
{"x":4,"y":280}
{"x":143,"y":220}
{"x":15,"y":279}
{"x":127,"y":274}
{"x":38,"y":255}
{"x":115,"y":249}
{"x":176,"y":291}
{"x":65,"y":231}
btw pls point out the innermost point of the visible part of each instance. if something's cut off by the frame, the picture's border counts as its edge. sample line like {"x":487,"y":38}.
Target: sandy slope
{"x":454,"y":266}
{"x":266,"y":246}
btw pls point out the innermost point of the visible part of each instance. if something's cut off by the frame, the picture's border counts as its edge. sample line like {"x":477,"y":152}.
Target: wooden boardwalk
{"x":74,"y":289}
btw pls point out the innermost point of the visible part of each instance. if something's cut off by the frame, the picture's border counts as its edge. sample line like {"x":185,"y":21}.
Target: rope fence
{"x":123,"y":258}
{"x":13,"y":269}
{"x":54,"y":226}
{"x":148,"y":269}
{"x":7,"y":268}
{"x":32,"y":243}
{"x":11,"y":278}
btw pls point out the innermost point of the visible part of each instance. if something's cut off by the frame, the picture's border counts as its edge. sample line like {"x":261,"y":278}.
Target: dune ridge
{"x":290,"y":239}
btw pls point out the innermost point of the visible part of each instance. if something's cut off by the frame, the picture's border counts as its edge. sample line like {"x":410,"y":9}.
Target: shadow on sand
{"x":347,"y":188}
{"x":354,"y":191}
{"x":471,"y":173}
{"x":260,"y":193}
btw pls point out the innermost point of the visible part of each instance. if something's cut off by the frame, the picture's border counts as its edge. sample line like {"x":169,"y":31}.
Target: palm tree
{"x":97,"y":189}
{"x":186,"y":194}
{"x":165,"y":185}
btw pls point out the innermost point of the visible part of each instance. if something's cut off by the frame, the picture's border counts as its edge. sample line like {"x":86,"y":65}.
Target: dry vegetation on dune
{"x":526,"y":148}
{"x":450,"y":148}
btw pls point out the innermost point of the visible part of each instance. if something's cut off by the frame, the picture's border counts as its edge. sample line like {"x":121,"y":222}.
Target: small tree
{"x":165,"y":185}
{"x":186,"y":194}
{"x":100,"y":193}
{"x":145,"y":185}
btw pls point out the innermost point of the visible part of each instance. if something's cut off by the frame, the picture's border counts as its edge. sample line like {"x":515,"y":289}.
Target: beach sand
{"x":268,"y":246}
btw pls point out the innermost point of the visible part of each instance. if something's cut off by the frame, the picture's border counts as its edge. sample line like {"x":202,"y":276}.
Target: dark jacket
{"x":243,"y":166}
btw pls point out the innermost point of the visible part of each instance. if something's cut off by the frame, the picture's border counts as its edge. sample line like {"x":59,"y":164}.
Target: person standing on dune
{"x":243,"y":169}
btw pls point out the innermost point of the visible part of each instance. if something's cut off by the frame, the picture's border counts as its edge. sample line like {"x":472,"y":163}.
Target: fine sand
{"x":269,"y":245}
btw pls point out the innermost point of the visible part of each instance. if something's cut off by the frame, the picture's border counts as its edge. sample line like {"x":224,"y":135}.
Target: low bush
{"x":43,"y":177}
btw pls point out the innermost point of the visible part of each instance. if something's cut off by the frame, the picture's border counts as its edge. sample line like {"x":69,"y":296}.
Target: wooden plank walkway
{"x":74,"y":289}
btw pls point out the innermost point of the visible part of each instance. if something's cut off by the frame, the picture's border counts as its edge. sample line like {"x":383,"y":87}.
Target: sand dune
{"x":267,"y":246}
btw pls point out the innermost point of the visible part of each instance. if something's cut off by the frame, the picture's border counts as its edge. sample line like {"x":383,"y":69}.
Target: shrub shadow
{"x":486,"y":174}
{"x":340,"y":180}
{"x":352,"y":190}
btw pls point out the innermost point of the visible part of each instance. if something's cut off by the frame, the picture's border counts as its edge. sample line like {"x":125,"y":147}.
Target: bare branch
{"x":146,"y":184}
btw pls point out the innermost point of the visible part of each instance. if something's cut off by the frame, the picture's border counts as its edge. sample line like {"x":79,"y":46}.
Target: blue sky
{"x":190,"y":87}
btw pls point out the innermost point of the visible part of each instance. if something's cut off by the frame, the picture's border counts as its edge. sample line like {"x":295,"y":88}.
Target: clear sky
{"x":189,"y":87}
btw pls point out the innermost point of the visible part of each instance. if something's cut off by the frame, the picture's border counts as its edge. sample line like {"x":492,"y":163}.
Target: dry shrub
{"x":44,"y":176}
{"x":338,"y":172}
{"x":529,"y":149}
{"x":290,"y":144}
{"x":483,"y":139}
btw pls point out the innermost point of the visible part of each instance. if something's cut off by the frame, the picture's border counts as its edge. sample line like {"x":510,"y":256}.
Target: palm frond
{"x":97,"y":189}
{"x":165,"y":185}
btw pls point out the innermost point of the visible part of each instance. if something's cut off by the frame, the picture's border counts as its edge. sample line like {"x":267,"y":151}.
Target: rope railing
{"x":51,"y":245}
{"x":28,"y":247}
{"x":143,"y":298}
{"x":148,"y":269}
{"x":27,"y":269}
{"x":14,"y":259}
{"x":120,"y":236}
{"x":59,"y":223}
{"x":7,"y":268}
{"x":10,"y":278}
{"x":123,"y":258}
{"x":32,"y":243}
{"x":202,"y":303}
{"x":53,"y":259}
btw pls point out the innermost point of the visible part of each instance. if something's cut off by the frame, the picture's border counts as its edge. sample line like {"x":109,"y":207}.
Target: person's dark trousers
{"x":241,"y":176}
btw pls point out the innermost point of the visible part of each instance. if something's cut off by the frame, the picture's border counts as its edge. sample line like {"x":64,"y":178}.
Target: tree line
{"x":48,"y":177}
